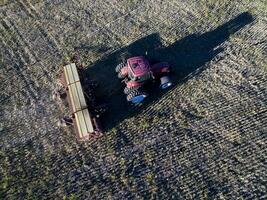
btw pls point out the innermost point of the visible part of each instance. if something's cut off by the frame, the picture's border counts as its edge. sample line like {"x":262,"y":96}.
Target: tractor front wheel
{"x":136,"y":96}
{"x":119,"y":67}
{"x":121,"y":75}
{"x":128,"y":90}
{"x":165,"y":82}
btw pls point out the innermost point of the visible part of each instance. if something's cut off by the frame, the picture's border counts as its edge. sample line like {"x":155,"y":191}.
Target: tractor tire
{"x":119,"y":67}
{"x":165,"y":82}
{"x":136,"y":96}
{"x":129,"y":90}
{"x":120,"y":75}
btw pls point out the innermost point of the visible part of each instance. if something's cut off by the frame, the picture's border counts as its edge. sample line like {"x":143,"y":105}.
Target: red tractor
{"x":137,"y":72}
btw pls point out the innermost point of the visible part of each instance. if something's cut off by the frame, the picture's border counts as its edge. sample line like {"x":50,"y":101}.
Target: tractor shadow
{"x":186,"y":56}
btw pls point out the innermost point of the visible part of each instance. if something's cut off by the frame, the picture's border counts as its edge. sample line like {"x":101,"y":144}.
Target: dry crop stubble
{"x":205,"y":138}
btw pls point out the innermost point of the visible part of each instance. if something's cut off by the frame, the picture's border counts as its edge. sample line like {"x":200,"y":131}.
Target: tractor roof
{"x":138,"y":65}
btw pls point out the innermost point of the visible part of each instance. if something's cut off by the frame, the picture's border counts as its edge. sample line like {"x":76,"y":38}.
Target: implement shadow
{"x":185,"y":56}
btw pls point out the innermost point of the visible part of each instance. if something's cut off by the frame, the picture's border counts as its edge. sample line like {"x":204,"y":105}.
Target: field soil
{"x":205,"y":138}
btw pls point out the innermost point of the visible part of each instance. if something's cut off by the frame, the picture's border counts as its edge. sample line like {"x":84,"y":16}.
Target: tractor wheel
{"x":120,"y":75}
{"x":136,"y":96}
{"x":130,"y":89}
{"x":119,"y":67}
{"x":165,"y":82}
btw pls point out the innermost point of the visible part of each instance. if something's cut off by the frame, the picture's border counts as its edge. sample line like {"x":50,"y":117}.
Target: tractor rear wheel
{"x":165,"y":82}
{"x":120,"y":75}
{"x":119,"y":67}
{"x":136,"y":96}
{"x":128,"y":90}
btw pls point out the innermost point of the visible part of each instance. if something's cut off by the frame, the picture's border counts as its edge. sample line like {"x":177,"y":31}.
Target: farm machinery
{"x":137,"y":73}
{"x":78,"y":92}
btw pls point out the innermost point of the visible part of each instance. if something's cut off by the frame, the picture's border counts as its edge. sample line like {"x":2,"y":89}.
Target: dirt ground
{"x":205,"y":138}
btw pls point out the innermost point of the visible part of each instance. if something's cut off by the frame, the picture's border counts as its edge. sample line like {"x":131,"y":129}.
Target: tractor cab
{"x":137,"y":72}
{"x":139,"y":69}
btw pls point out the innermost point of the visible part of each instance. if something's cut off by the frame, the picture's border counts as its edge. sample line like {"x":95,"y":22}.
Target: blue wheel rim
{"x":166,"y":85}
{"x":138,"y":99}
